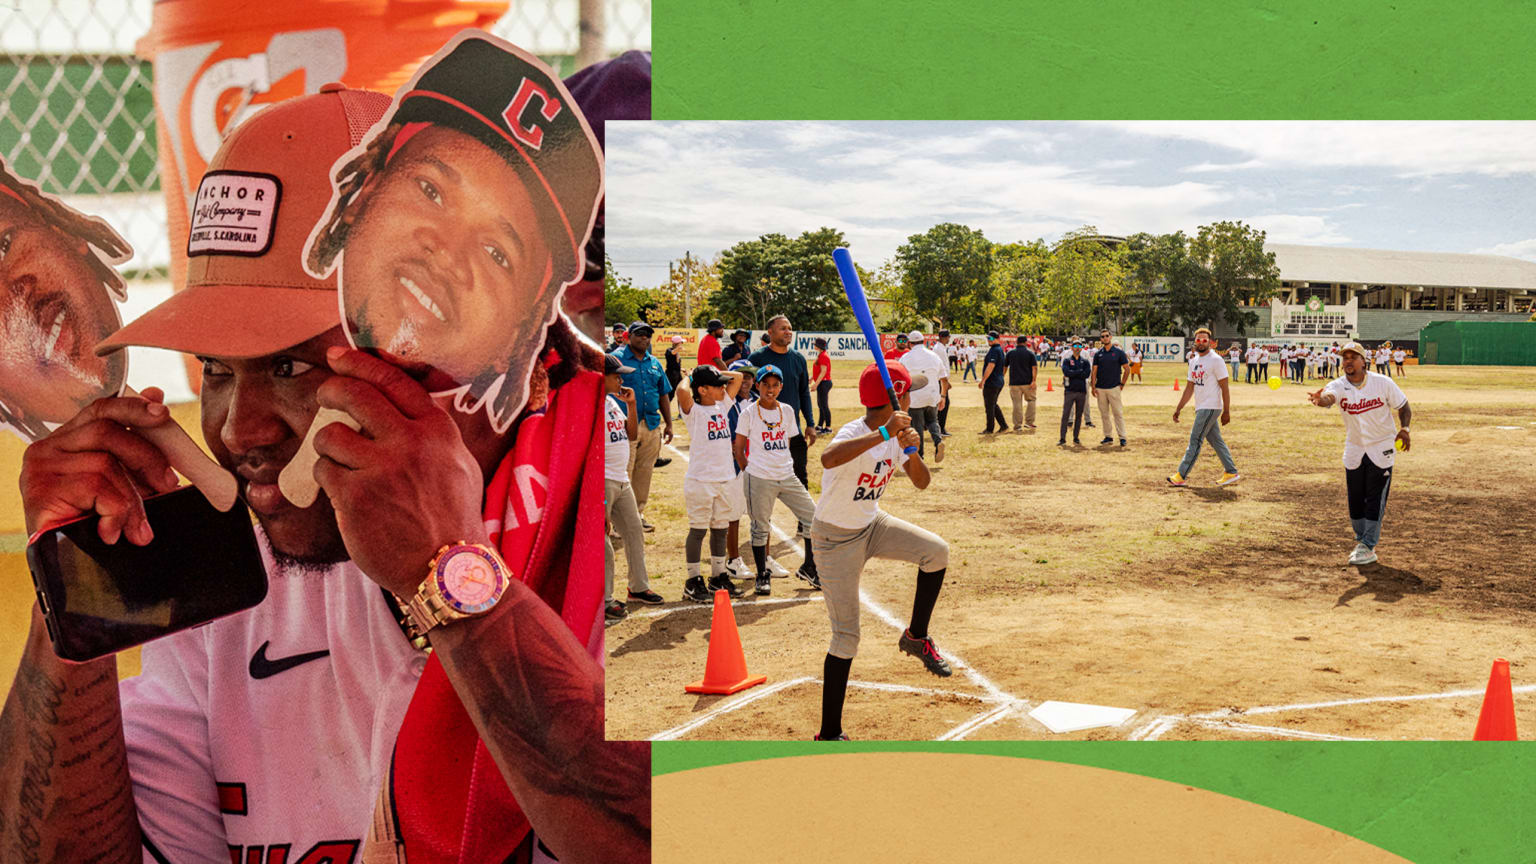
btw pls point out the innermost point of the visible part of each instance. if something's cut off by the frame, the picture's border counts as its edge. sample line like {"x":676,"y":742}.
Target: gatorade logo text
{"x":233,"y":214}
{"x":531,"y":134}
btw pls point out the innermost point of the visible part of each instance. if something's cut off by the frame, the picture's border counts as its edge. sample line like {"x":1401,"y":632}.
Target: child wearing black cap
{"x":711,"y":493}
{"x":762,"y":450}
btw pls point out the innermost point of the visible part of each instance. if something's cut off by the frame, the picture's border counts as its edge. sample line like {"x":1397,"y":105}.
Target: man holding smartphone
{"x":362,"y":704}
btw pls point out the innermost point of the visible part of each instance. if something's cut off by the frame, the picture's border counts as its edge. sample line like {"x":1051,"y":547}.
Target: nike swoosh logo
{"x":261,"y":667}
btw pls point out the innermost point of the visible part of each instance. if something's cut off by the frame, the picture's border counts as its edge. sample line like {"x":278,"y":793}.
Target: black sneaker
{"x":924,"y":650}
{"x":614,"y":611}
{"x":1107,"y":440}
{"x":764,"y":585}
{"x":695,"y":590}
{"x":811,"y":577}
{"x":724,"y":581}
{"x":663,"y":462}
{"x":1089,"y":424}
{"x":1122,"y":442}
{"x":649,"y":598}
{"x":1077,"y":442}
{"x":842,"y":736}
{"x":1061,"y":443}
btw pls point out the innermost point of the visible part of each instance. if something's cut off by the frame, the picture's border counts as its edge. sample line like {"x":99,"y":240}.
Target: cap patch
{"x":234,"y":213}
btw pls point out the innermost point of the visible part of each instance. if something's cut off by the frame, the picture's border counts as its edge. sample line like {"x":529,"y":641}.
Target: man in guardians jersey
{"x":850,"y":528}
{"x":1367,"y":400}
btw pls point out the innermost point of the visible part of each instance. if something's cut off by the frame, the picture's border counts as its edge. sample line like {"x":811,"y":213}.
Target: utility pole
{"x":687,"y":289}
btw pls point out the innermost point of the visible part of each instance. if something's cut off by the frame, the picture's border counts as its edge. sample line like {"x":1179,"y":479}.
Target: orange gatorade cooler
{"x":216,"y":65}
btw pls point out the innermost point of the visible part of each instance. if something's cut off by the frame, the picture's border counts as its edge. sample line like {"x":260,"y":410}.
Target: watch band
{"x":428,"y":608}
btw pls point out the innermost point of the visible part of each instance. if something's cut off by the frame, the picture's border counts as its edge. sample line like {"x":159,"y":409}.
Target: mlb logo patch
{"x":234,"y":213}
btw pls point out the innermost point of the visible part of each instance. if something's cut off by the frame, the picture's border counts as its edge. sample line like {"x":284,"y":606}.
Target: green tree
{"x":1236,"y":270}
{"x":1017,"y":295}
{"x":775,"y":274}
{"x":1153,"y":262}
{"x":622,"y":301}
{"x":1084,"y":274}
{"x":946,"y":275}
{"x":683,"y":300}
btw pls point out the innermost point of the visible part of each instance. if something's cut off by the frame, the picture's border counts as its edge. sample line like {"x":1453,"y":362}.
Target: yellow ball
{"x":1399,"y":444}
{"x":1275,"y":382}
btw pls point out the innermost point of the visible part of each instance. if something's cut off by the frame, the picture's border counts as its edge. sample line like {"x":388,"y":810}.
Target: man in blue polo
{"x":1109,"y":365}
{"x":654,"y":402}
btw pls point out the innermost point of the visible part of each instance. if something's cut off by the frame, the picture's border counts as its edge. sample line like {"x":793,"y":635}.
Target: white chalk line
{"x":1149,"y":731}
{"x":994,"y":693}
{"x":690,"y":606}
{"x":768,"y":690}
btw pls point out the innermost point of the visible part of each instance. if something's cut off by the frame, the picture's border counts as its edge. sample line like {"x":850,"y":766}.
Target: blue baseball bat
{"x":855,"y":291}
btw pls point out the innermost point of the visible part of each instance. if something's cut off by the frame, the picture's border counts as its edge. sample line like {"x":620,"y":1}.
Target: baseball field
{"x":1079,"y":575}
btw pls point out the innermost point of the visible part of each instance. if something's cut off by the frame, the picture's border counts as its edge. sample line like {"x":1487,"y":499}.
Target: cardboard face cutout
{"x":457,"y":222}
{"x":56,"y":269}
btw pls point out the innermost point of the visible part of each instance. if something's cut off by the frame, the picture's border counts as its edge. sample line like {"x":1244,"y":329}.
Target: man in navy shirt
{"x":737,"y":350}
{"x":1021,"y":384}
{"x":1109,"y":365}
{"x":797,"y":395}
{"x":992,"y":384}
{"x":1075,"y":371}
{"x":654,"y":402}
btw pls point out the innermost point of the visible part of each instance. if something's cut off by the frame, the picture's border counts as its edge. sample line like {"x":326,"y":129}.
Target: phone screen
{"x":99,"y":599}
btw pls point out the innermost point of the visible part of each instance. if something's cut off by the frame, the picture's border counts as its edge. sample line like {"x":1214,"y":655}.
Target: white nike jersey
{"x":243,"y":736}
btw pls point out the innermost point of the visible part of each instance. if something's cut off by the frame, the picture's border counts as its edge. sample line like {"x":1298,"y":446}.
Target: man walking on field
{"x":1208,"y":384}
{"x":1367,"y":400}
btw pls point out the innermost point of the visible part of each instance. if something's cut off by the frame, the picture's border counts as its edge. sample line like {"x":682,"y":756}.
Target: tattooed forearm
{"x":70,"y":799}
{"x":537,"y":699}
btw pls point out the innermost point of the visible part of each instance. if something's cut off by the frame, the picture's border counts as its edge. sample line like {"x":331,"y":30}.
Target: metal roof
{"x":1385,"y":267}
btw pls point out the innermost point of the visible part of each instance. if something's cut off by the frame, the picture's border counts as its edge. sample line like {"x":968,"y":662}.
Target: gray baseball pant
{"x":762,"y":492}
{"x":840,"y":556}
{"x":619,"y":499}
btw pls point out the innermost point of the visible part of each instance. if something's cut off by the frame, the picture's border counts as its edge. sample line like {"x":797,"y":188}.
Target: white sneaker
{"x":740,"y":568}
{"x":1363,"y":554}
{"x":776,"y":569}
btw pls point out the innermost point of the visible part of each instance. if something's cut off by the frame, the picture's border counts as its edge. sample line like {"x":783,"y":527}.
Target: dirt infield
{"x":1077,"y":575}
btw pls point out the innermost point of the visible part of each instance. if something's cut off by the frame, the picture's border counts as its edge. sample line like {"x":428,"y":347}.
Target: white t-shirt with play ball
{"x":709,"y":443}
{"x":1204,"y":371}
{"x":616,"y":449}
{"x":850,"y":493}
{"x":1369,"y":427}
{"x":768,"y":432}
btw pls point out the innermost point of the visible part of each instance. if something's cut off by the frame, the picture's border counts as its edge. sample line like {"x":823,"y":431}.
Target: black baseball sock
{"x":927,"y":594}
{"x":834,"y":688}
{"x":810,"y":557}
{"x":760,"y":558}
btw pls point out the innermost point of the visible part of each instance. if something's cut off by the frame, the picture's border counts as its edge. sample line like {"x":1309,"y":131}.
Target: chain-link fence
{"x":77,"y":111}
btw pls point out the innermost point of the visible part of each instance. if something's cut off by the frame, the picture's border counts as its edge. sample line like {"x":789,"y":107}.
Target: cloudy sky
{"x":703,"y":186}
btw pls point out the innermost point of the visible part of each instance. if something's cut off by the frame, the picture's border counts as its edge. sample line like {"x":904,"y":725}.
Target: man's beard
{"x":310,"y":562}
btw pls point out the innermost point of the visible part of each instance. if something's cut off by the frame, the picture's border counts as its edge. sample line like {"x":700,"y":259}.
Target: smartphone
{"x":99,"y":599}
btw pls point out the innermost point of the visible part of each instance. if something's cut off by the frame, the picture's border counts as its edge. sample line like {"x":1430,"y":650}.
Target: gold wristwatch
{"x":463,"y":580}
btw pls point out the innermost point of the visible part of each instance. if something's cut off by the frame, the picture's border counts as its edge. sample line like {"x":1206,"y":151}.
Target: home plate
{"x":1062,"y":717}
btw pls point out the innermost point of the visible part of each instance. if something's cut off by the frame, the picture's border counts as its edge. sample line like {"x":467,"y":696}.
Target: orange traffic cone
{"x":1175,"y":385}
{"x":1048,"y":387}
{"x":725,"y":671}
{"x":1497,"y":720}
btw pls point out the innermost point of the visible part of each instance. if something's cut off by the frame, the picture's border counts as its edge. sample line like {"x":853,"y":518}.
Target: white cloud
{"x":1411,"y":148}
{"x":1519,"y":249}
{"x":1221,"y":167}
{"x":1291,"y":228}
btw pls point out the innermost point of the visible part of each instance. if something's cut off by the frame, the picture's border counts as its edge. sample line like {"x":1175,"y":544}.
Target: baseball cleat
{"x":1122,"y":442}
{"x":649,"y":598}
{"x":1229,"y":479}
{"x":695,"y":590}
{"x":811,"y":577}
{"x":842,"y":736}
{"x":1363,"y":554}
{"x":739,"y":567}
{"x":1177,"y":480}
{"x":764,"y":585}
{"x":924,"y":650}
{"x":614,"y":611}
{"x":723,"y":581}
{"x":775,"y":569}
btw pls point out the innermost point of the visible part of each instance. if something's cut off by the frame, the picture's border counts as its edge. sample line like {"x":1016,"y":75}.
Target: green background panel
{"x":1430,"y":802}
{"x":1116,"y":59}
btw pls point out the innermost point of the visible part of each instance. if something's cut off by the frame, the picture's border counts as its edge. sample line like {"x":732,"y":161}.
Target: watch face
{"x":470,"y":580}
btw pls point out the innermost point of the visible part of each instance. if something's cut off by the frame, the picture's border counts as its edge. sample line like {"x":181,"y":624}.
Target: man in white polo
{"x":1367,"y":400}
{"x":928,"y":400}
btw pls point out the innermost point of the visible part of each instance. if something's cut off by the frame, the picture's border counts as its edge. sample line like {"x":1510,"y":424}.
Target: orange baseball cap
{"x":247,"y":292}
